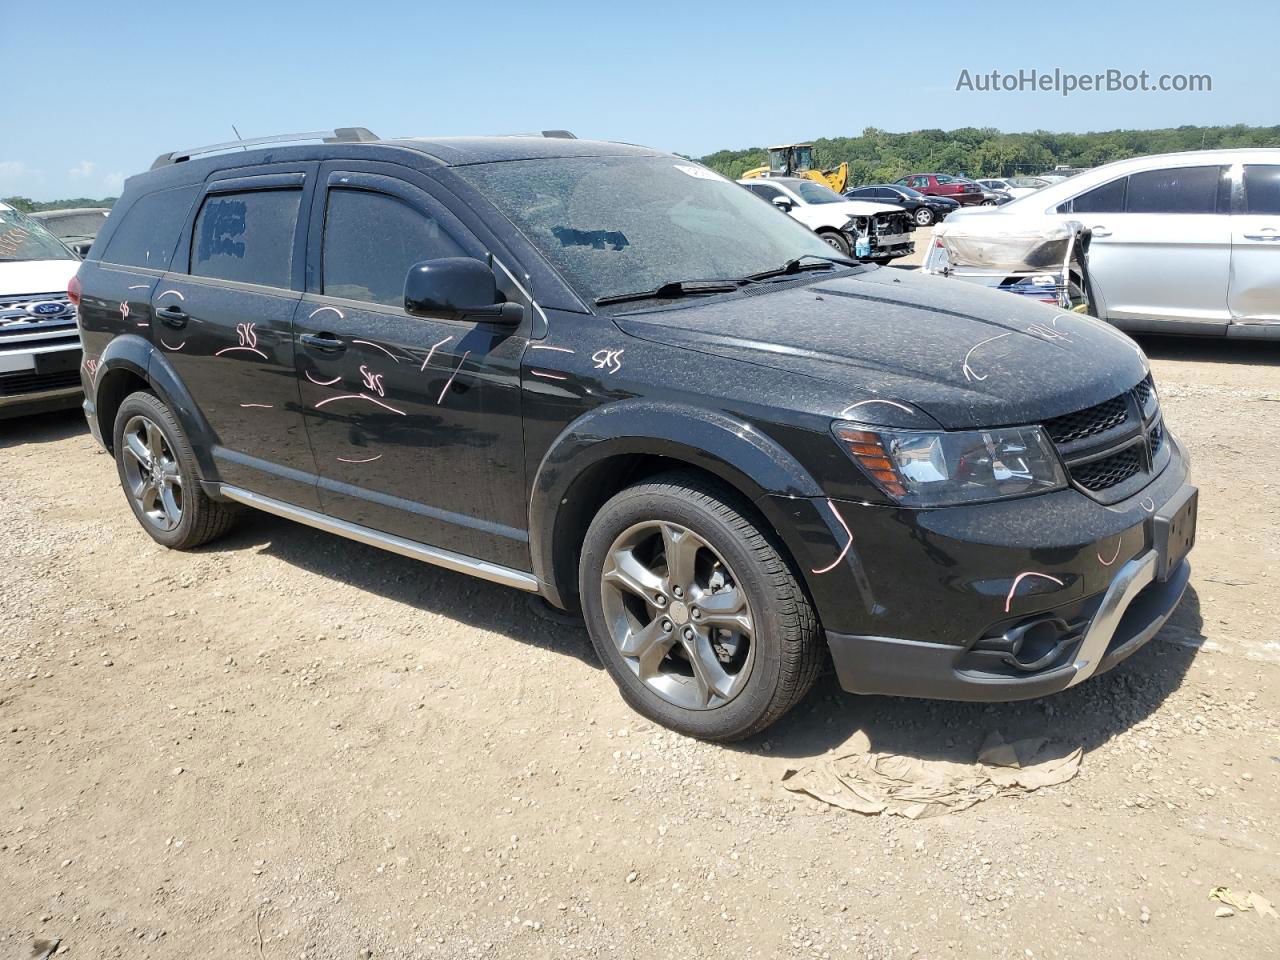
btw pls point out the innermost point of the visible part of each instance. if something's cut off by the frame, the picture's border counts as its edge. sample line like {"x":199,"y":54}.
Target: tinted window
{"x":1261,"y":188}
{"x":149,"y":230}
{"x":370,"y":242}
{"x":760,"y":190}
{"x":1108,"y":198}
{"x":863,"y":192}
{"x":247,"y":237}
{"x":1176,"y":190}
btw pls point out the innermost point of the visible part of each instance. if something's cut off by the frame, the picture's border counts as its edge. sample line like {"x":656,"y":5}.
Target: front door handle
{"x":1100,"y":231}
{"x":173,"y":316}
{"x":324,"y":342}
{"x":1263,"y":236}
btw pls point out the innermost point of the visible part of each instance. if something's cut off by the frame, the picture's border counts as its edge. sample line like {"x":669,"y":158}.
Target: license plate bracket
{"x":57,"y":361}
{"x":1175,"y":530}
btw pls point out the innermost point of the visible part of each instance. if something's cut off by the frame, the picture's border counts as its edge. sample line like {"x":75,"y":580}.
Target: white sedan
{"x":1185,"y":243}
{"x":878,"y":232}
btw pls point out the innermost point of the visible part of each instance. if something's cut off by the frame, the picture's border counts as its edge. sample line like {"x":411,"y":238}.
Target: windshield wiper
{"x":673,"y":289}
{"x":797,"y":264}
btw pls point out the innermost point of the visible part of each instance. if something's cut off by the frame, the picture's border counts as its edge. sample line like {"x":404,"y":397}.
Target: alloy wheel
{"x":151,"y":472}
{"x":924,"y":216}
{"x":678,"y":615}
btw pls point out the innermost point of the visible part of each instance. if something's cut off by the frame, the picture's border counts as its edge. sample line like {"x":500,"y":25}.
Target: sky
{"x":127,"y":80}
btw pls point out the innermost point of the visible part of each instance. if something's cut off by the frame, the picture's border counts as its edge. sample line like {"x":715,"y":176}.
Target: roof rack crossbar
{"x":337,"y":135}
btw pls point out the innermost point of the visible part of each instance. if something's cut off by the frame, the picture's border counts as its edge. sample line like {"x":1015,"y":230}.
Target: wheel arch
{"x":612,"y":447}
{"x":130,"y":363}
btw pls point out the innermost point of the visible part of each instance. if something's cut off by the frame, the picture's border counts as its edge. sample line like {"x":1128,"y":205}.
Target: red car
{"x":964,"y":192}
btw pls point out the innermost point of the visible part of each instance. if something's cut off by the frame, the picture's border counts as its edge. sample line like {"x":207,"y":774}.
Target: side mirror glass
{"x":456,"y":288}
{"x":783,"y":203}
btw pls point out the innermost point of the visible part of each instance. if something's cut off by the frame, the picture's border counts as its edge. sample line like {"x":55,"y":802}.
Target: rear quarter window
{"x":148,"y":231}
{"x":247,"y":237}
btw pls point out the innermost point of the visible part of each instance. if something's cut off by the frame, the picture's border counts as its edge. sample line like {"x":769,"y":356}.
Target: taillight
{"x":73,"y":290}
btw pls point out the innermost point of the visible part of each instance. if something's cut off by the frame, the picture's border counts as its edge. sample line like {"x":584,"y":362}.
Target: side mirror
{"x":453,"y":288}
{"x":783,"y":203}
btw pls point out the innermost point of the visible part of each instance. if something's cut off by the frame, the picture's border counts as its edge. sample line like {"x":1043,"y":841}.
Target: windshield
{"x":21,"y":238}
{"x":614,"y":225}
{"x":810,"y":191}
{"x":76,"y":224}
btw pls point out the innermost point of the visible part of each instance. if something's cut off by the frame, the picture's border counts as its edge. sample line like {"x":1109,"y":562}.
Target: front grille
{"x":1089,"y":422}
{"x":1156,"y":438}
{"x":1109,"y":471}
{"x":17,"y":384}
{"x":14,"y":309}
{"x":1110,"y":449}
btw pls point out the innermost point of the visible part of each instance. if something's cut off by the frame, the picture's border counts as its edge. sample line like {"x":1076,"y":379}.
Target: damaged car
{"x":866,"y":230}
{"x":611,"y":378}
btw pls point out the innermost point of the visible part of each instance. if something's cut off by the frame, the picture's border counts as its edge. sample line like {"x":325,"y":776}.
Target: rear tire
{"x":837,"y":240}
{"x":157,"y":471}
{"x":719,"y":641}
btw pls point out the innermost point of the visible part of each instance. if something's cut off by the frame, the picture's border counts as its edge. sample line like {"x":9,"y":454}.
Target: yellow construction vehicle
{"x":796,"y":160}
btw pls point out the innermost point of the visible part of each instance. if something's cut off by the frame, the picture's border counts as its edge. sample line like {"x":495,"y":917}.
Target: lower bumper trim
{"x":1132,"y":612}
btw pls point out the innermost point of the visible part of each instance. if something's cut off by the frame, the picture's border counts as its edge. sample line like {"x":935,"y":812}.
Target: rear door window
{"x":1175,"y":190}
{"x":1262,"y":188}
{"x":149,"y":230}
{"x":370,"y":242}
{"x":247,"y":237}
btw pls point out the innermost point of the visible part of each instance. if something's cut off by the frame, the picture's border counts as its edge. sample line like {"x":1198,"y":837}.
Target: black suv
{"x":611,"y":377}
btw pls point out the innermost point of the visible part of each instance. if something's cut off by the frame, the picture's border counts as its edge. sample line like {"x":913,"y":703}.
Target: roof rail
{"x":559,"y":135}
{"x":338,"y":135}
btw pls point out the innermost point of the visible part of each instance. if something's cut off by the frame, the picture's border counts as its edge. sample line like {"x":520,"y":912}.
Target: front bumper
{"x":1129,"y":614}
{"x":995,"y":601}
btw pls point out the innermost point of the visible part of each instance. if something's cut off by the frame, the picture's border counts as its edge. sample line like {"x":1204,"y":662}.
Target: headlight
{"x":936,"y":468}
{"x":857,"y":224}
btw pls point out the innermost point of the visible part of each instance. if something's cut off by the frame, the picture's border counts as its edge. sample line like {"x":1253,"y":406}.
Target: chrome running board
{"x":458,"y":562}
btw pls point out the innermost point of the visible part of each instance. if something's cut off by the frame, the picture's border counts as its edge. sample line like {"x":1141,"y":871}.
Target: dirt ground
{"x":286,"y":745}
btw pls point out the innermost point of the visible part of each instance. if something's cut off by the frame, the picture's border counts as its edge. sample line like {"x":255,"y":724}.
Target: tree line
{"x":27,"y":205}
{"x":878,"y":156}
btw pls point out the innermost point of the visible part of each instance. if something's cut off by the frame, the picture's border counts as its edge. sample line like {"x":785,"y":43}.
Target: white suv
{"x":1182,"y":242}
{"x":39,"y":342}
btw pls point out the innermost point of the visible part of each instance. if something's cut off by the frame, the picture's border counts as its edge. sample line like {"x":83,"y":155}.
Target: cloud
{"x":82,"y":169}
{"x":13,"y":172}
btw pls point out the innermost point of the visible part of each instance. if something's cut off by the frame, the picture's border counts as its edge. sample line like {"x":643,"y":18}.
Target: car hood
{"x":20,"y":277}
{"x":960,"y":354}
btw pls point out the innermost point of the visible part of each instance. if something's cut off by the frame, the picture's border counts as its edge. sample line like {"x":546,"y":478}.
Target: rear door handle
{"x":1100,"y":231}
{"x":324,"y":342}
{"x":1262,"y":236}
{"x":173,"y":316}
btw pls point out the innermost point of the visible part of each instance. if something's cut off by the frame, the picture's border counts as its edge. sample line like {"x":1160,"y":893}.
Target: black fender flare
{"x":138,"y":356}
{"x":712,"y":440}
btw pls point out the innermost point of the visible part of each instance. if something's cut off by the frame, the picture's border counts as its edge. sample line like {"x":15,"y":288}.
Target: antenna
{"x":238,"y":137}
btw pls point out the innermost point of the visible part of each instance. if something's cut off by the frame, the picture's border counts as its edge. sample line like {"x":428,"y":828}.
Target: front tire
{"x":988,"y":203}
{"x":694,"y":610}
{"x":157,"y":471}
{"x":837,"y":240}
{"x":924,"y":217}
